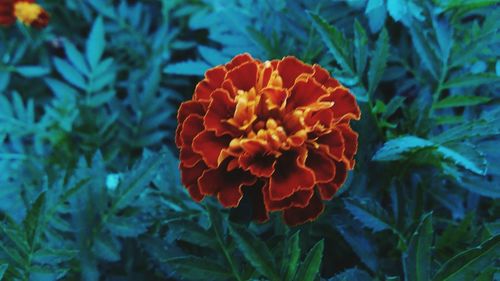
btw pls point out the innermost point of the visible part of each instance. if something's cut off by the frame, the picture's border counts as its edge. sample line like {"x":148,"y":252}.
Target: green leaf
{"x":126,"y":226}
{"x":309,"y":269}
{"x":95,"y":43}
{"x":32,"y":220}
{"x":376,"y":13}
{"x":334,"y":40}
{"x":456,"y":101}
{"x":369,"y":212}
{"x":291,"y":258}
{"x":472,"y":80}
{"x":378,"y":61}
{"x":3,"y":269}
{"x":469,"y":263}
{"x":31,"y":71}
{"x":99,"y":99}
{"x":464,"y":155}
{"x":395,"y":103}
{"x":255,"y":251}
{"x":417,"y":259}
{"x":75,"y":57}
{"x":106,"y":248}
{"x":195,"y":268}
{"x":70,"y":73}
{"x":360,"y":47}
{"x":396,"y":148}
{"x":187,"y":68}
{"x":420,"y":43}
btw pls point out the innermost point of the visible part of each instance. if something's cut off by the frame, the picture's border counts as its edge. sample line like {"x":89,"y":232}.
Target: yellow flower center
{"x":26,"y":12}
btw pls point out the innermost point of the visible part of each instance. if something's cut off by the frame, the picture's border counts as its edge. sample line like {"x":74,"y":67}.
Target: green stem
{"x":226,"y":254}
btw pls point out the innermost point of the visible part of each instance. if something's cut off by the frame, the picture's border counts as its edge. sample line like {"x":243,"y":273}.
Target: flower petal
{"x":328,"y":190}
{"x":298,"y":199}
{"x":322,"y":165}
{"x":191,"y":127}
{"x":304,"y":93}
{"x":213,"y":80}
{"x":333,"y":143}
{"x":345,"y":106}
{"x":209,"y":146}
{"x":238,"y":60}
{"x":350,"y":144}
{"x":226,"y":185}
{"x":323,"y":77}
{"x":244,"y":77}
{"x":187,"y":108}
{"x":295,"y":215}
{"x":290,"y":175}
{"x":260,"y":165}
{"x":290,"y":68}
{"x":189,"y":178}
{"x":221,"y":108}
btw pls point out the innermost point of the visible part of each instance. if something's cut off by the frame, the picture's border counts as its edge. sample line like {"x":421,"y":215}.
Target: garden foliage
{"x":89,"y":177}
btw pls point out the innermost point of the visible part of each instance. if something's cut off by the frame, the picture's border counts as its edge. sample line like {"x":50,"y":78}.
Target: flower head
{"x":26,"y":11}
{"x":276,"y":132}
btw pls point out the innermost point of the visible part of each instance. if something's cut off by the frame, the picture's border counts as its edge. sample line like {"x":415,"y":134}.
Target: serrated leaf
{"x":195,"y":268}
{"x":106,"y":248}
{"x":360,"y":47}
{"x":393,"y":105}
{"x":464,"y":155}
{"x":473,"y":80}
{"x":126,"y":227}
{"x":96,"y":43}
{"x":467,"y":264}
{"x":378,"y":61}
{"x":75,"y":57}
{"x":212,"y":56}
{"x":187,"y":68}
{"x":376,"y":12}
{"x":3,"y":269}
{"x":417,"y":259}
{"x":32,"y":219}
{"x":31,"y":71}
{"x":53,"y":256}
{"x":396,"y":148}
{"x":291,"y":258}
{"x":456,"y":101}
{"x":60,"y":89}
{"x":420,"y":43}
{"x":70,"y":74}
{"x":334,"y":40}
{"x":99,"y":99}
{"x":255,"y":251}
{"x":369,"y":212}
{"x":309,"y":269}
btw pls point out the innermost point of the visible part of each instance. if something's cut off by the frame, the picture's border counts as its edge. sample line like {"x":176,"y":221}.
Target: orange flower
{"x":276,"y":132}
{"x":26,"y":11}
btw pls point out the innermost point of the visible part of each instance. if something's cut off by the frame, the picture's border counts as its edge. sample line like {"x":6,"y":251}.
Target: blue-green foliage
{"x":89,"y":182}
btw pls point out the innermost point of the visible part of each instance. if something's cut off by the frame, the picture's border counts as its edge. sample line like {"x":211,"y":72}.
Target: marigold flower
{"x":276,"y":132}
{"x":26,"y":11}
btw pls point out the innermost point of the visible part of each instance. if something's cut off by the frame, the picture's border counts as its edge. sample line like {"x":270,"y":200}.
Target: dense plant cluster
{"x":90,"y":183}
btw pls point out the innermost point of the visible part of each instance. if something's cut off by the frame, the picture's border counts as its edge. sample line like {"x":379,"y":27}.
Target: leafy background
{"x":89,"y":179}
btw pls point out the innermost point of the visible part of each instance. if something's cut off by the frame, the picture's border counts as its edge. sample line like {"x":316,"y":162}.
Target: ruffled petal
{"x":304,"y":93}
{"x":238,"y":60}
{"x":345,"y":106}
{"x":213,"y":80}
{"x":209,"y":146}
{"x":221,"y":109}
{"x":189,"y":178}
{"x":333,"y":143}
{"x":290,"y":175}
{"x":328,"y":190}
{"x":323,"y":77}
{"x":350,"y":144}
{"x":322,"y":165}
{"x":300,"y":198}
{"x":244,"y":76}
{"x":226,"y":185}
{"x":290,"y":68}
{"x":295,"y":215}
{"x":191,"y":127}
{"x":187,"y":108}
